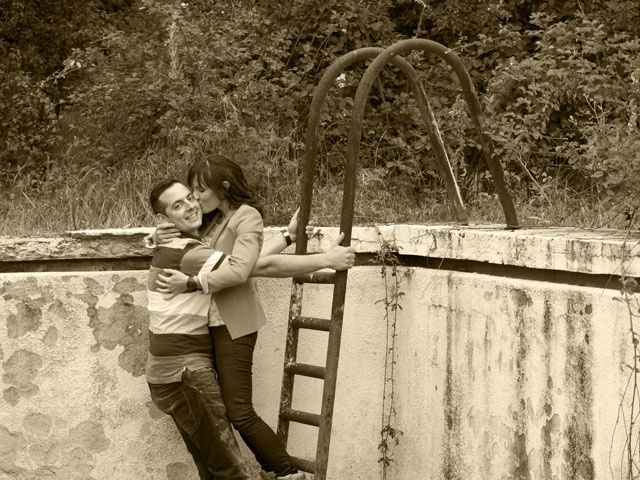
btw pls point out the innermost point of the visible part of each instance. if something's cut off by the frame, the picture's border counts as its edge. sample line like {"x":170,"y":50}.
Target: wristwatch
{"x":287,"y":237}
{"x":191,"y":284}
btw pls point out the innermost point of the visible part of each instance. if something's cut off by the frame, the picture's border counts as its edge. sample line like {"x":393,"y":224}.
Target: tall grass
{"x":94,"y":197}
{"x":88,"y":197}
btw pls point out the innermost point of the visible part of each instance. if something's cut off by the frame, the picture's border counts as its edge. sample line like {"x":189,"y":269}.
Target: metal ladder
{"x":333,"y":325}
{"x":328,"y":373}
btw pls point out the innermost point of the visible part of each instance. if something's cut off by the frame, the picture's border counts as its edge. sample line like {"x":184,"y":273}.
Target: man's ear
{"x":226,"y":185}
{"x":162,"y":218}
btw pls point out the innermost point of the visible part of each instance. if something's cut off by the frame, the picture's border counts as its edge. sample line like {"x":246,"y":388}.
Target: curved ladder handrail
{"x":326,"y":82}
{"x":359,"y":104}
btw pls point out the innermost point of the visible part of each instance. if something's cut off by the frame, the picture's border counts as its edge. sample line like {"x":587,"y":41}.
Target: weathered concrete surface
{"x":567,"y":249}
{"x":73,"y":404}
{"x":496,"y":378}
{"x":509,"y":379}
{"x":75,"y":245}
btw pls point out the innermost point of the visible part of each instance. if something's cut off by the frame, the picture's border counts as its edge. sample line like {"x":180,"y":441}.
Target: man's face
{"x":181,"y":208}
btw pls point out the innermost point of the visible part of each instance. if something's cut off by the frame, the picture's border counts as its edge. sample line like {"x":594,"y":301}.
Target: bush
{"x":26,"y":124}
{"x":567,"y":114}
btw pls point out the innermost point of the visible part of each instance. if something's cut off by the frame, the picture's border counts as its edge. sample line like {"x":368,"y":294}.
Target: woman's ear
{"x":226,"y":184}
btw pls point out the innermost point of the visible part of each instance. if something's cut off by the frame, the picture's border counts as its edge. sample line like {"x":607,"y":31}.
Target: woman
{"x":233,"y":224}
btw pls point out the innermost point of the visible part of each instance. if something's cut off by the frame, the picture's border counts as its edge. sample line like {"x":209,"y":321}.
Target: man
{"x":180,"y":374}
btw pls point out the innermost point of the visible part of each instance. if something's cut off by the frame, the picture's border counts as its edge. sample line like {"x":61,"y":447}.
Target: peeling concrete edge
{"x":605,"y":252}
{"x":75,"y":246}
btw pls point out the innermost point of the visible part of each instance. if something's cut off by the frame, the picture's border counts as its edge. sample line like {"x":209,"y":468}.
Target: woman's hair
{"x":212,"y":171}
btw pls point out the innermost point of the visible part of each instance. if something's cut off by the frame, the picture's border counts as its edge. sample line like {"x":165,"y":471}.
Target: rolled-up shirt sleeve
{"x":237,"y":268}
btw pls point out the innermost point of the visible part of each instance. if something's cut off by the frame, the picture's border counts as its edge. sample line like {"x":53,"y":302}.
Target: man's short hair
{"x":154,"y":196}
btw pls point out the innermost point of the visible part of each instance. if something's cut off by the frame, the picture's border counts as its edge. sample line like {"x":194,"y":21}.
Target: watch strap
{"x":287,"y":237}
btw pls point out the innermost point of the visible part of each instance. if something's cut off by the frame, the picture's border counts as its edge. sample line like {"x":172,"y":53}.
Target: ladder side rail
{"x":331,"y":376}
{"x":318,"y":101}
{"x":308,"y":177}
{"x":290,"y":356}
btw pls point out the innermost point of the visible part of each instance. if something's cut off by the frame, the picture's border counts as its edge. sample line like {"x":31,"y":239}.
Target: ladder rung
{"x":302,"y":464}
{"x":311,"y":323}
{"x":305,"y":370}
{"x":316,"y":277}
{"x":301,"y":417}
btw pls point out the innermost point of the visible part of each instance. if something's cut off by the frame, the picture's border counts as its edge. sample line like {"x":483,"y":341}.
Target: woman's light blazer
{"x":235,"y":295}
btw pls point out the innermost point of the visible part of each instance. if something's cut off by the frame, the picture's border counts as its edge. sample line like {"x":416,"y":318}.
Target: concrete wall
{"x":513,"y":353}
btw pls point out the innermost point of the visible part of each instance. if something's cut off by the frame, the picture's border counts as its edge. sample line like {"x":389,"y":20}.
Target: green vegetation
{"x":101,"y":98}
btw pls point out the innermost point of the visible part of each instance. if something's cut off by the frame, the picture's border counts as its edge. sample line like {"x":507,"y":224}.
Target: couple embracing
{"x":205,"y":314}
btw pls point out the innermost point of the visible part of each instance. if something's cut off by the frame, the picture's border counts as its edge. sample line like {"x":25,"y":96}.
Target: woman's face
{"x":208,"y":199}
